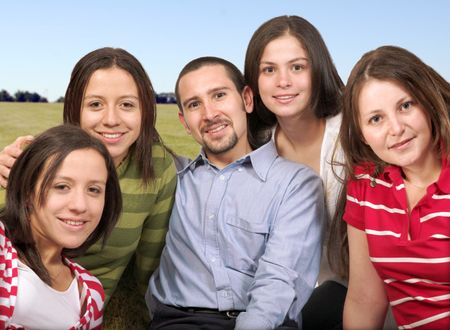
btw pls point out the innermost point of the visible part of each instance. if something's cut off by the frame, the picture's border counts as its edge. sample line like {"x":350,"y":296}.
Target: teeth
{"x":111,"y":135}
{"x":73,"y":223}
{"x":284,"y":97}
{"x":217,"y":129}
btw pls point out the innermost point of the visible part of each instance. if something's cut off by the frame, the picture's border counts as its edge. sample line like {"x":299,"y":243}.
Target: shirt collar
{"x":393,"y":174}
{"x":260,"y":159}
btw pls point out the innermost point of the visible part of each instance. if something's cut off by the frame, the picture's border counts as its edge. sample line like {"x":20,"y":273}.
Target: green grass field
{"x":32,"y":118}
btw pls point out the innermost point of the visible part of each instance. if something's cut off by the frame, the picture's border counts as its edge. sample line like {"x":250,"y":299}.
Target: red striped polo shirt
{"x":410,"y":251}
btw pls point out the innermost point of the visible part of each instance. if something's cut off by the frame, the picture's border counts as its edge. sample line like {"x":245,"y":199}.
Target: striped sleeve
{"x":156,"y":224}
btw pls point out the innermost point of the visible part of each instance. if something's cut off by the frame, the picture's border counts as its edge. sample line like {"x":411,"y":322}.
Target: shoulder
{"x":293,"y":172}
{"x":163,"y":160}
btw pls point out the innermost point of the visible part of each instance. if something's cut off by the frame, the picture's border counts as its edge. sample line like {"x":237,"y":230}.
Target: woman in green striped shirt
{"x":111,"y":97}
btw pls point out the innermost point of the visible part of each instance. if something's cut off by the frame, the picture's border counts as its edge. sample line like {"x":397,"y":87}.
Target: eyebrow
{"x":95,"y":96}
{"x":68,"y":178}
{"x":290,"y":61}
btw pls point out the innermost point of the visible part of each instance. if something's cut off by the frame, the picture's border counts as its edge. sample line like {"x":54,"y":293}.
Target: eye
{"x":95,"y":190}
{"x":297,"y":67}
{"x":406,"y":105}
{"x":219,"y":95}
{"x":193,"y":105}
{"x":374,"y":120}
{"x":268,"y":69}
{"x":94,"y":105}
{"x":61,"y":187}
{"x":127,"y":105}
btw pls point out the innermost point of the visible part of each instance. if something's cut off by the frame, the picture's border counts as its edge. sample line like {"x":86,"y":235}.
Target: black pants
{"x":325,"y":307}
{"x":171,"y":318}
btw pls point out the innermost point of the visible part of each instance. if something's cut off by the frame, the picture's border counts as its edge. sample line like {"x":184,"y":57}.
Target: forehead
{"x":377,"y":93}
{"x":286,"y":45}
{"x":201,"y":81}
{"x":111,"y":78}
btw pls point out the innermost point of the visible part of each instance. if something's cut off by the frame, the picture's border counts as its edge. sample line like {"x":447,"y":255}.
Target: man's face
{"x":215,"y":113}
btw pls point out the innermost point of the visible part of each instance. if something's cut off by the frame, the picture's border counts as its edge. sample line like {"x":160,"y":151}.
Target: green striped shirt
{"x":142,"y":227}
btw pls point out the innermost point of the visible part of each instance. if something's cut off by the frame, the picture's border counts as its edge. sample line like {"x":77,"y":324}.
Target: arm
{"x":289,"y":267}
{"x":155,"y":226}
{"x":9,"y":155}
{"x":366,"y":302}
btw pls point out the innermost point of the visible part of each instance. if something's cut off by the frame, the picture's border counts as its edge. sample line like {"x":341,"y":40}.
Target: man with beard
{"x":244,"y":240}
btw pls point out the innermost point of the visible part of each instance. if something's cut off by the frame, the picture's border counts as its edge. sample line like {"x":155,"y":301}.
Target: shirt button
{"x":213,"y":259}
{"x":222,"y":177}
{"x":211,"y":216}
{"x":224,"y":294}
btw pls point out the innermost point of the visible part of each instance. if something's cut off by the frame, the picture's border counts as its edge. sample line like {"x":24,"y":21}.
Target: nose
{"x":396,"y":126}
{"x":284,"y":78}
{"x":78,"y":202}
{"x":209,"y":111}
{"x":111,"y":117}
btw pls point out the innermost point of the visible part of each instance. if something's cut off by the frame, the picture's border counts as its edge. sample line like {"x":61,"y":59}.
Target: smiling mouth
{"x":111,"y":135}
{"x":215,"y":129}
{"x":75,"y":223}
{"x":285,"y":97}
{"x":400,"y":144}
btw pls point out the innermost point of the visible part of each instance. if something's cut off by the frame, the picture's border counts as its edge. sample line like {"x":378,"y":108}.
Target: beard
{"x":216,"y":147}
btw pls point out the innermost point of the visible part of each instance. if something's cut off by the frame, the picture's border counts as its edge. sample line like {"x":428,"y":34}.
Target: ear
{"x":183,"y":122}
{"x":247,"y":96}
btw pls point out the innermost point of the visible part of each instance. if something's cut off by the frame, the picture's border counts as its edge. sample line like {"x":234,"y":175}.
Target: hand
{"x":9,"y":155}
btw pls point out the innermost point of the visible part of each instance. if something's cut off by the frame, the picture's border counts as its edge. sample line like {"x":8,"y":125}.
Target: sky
{"x":42,"y":40}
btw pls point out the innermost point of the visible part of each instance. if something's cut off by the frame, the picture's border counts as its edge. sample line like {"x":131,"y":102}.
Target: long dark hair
{"x":326,"y":84}
{"x":39,"y":162}
{"x":104,"y":58}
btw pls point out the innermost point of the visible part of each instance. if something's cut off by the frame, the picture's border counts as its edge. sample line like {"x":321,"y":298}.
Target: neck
{"x":301,"y":130}
{"x":226,"y":158}
{"x":423,"y":176}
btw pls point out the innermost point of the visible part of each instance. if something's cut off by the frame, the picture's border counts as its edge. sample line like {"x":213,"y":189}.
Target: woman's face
{"x":74,"y":202}
{"x":394,"y":125}
{"x":111,"y":110}
{"x":285,"y":77}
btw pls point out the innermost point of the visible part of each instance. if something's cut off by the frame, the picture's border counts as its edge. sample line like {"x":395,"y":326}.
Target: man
{"x":244,"y":240}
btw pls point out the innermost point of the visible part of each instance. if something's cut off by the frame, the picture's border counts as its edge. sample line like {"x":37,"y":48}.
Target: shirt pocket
{"x":245,"y":243}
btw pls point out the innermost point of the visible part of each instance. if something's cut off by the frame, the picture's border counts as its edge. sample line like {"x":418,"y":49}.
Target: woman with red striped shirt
{"x":63,"y":195}
{"x":395,"y":134}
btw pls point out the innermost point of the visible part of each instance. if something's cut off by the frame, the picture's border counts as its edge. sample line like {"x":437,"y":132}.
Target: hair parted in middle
{"x":326,"y":85}
{"x":105,"y":58}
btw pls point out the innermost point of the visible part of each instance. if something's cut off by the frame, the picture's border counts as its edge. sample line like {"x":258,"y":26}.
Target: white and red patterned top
{"x":410,"y":251}
{"x":92,"y":294}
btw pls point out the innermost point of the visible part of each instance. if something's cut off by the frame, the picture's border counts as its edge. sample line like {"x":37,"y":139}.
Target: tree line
{"x":21,"y":96}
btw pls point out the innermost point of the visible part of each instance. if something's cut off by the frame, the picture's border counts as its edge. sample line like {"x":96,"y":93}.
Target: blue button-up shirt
{"x":246,"y":237}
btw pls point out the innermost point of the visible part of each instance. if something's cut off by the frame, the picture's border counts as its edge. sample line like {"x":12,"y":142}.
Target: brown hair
{"x":424,"y":84}
{"x":39,"y":162}
{"x":326,"y":84}
{"x":420,"y":80}
{"x":104,"y":58}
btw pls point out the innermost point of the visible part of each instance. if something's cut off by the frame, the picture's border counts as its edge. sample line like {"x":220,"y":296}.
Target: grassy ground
{"x":31,"y":118}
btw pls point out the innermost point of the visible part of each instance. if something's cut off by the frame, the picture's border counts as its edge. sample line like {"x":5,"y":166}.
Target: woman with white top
{"x":63,"y":195}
